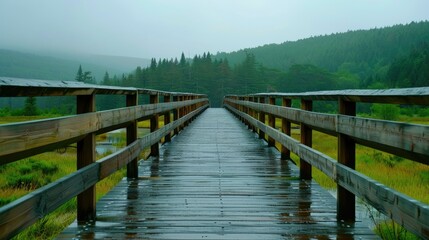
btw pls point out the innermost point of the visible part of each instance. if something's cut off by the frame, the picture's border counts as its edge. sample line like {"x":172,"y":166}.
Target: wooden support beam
{"x":132,"y":168}
{"x":86,"y":156}
{"x":346,"y":201}
{"x":154,"y":125}
{"x":271,"y":122}
{"x":306,"y":139}
{"x":254,"y":114}
{"x":261,"y":118}
{"x":167,"y":118}
{"x":176,"y":114}
{"x":286,"y":127}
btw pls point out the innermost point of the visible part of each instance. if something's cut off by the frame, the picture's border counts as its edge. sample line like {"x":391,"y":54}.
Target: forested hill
{"x":360,"y":52}
{"x":63,"y":67}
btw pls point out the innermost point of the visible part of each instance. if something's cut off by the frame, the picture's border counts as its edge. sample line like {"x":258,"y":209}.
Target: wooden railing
{"x":21,"y":140}
{"x":403,"y":139}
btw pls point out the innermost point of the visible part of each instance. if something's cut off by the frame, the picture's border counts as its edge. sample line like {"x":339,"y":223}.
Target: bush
{"x":385,"y":111}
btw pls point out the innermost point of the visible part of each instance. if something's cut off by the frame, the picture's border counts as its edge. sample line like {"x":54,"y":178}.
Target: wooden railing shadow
{"x":402,"y":139}
{"x":21,"y":140}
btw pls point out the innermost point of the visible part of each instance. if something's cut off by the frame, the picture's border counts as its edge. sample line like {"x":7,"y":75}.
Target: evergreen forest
{"x":390,"y":57}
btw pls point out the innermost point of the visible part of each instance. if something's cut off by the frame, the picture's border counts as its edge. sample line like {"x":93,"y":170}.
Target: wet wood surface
{"x":217,"y":180}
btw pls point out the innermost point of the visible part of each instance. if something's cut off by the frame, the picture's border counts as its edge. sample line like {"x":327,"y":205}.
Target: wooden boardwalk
{"x":217,"y":180}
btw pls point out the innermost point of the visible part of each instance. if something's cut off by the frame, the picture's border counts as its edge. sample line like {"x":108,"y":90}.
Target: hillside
{"x":63,"y":67}
{"x":361,"y":52}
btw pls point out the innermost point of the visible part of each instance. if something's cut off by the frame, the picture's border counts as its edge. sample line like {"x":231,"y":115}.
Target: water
{"x":114,"y":138}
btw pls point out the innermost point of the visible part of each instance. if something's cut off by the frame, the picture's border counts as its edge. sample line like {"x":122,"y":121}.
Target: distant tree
{"x":30,"y":108}
{"x":106,"y":79}
{"x":88,"y":78}
{"x":79,"y":75}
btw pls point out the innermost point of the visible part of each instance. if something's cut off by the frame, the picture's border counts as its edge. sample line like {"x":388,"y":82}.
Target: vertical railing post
{"x":186,"y":98}
{"x":154,"y":125}
{"x":167,"y":120}
{"x":306,"y":139}
{"x":247,"y":110}
{"x":132,"y":168}
{"x":254,"y":113}
{"x":286,"y":129}
{"x":346,"y":201}
{"x":241,"y":109}
{"x":176,"y":115}
{"x":271,"y":122}
{"x":85,"y":157}
{"x":182,"y":111}
{"x":261,"y":118}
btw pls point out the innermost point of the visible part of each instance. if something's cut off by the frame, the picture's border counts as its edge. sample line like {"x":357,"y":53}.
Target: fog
{"x":166,"y":28}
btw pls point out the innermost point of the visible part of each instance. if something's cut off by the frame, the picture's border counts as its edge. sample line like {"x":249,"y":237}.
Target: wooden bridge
{"x":217,"y":178}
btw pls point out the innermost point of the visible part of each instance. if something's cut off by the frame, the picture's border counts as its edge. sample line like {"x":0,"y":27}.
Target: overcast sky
{"x":165,"y":28}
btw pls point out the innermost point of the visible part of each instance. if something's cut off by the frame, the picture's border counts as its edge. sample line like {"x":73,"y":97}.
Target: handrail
{"x":403,"y":139}
{"x":25,"y":139}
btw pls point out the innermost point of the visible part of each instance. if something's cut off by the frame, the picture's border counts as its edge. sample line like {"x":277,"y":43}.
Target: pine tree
{"x":79,"y":75}
{"x":30,"y":108}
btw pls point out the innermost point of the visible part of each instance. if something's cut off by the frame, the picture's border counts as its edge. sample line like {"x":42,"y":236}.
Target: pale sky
{"x":166,"y":28}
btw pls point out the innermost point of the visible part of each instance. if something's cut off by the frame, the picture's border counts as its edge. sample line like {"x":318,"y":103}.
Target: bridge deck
{"x":216,"y":180}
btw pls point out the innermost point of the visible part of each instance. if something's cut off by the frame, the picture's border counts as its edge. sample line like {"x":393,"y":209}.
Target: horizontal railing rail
{"x":403,"y":139}
{"x":21,"y":140}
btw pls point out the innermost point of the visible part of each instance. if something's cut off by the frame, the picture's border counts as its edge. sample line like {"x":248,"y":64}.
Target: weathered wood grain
{"x":85,"y":156}
{"x":346,"y":201}
{"x":19,"y":87}
{"x":404,"y":139}
{"x":132,"y":128}
{"x":21,"y":140}
{"x":406,"y":211}
{"x":418,"y":95}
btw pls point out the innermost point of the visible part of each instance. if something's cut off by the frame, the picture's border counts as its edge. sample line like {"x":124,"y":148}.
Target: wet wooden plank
{"x":217,"y":180}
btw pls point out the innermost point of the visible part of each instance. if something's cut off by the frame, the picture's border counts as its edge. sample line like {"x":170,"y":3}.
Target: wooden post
{"x":175,"y":115}
{"x":154,"y":125}
{"x":286,"y":128}
{"x":271,"y":123}
{"x":247,"y":110}
{"x":241,"y":109}
{"x":186,"y":98}
{"x":261,"y":118}
{"x":85,"y":157}
{"x":132,"y":168}
{"x":254,"y":113}
{"x":167,"y":99}
{"x":346,"y":201}
{"x":306,"y":139}
{"x":181,"y":112}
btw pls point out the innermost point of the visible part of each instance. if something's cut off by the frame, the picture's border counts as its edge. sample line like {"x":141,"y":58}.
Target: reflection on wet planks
{"x":217,"y":180}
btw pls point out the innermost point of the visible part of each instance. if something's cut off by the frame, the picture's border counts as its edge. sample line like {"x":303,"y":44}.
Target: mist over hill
{"x":55,"y":66}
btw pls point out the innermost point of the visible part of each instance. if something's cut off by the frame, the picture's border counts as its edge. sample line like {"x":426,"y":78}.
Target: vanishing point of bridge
{"x":217,"y":178}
